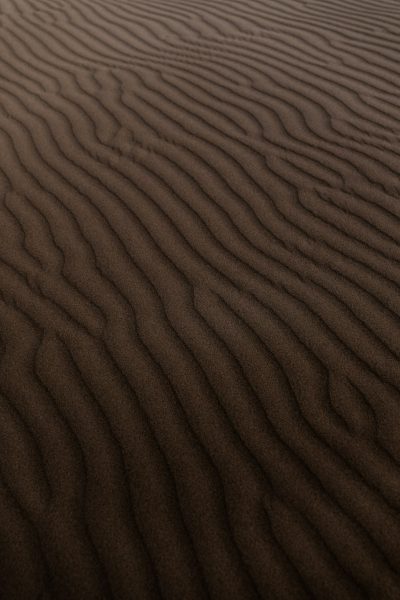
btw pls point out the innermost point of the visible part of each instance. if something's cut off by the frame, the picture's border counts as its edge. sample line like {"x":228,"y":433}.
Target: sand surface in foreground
{"x":199,"y":299}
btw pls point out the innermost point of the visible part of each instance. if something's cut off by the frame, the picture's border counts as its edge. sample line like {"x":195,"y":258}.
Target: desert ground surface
{"x":199,"y":299}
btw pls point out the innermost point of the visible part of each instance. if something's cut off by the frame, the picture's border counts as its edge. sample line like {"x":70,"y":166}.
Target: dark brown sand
{"x":200,"y":299}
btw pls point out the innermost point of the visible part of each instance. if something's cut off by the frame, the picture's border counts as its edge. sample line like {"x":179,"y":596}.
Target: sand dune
{"x":199,"y":299}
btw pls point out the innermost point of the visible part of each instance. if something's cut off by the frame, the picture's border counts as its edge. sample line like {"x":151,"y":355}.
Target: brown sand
{"x":200,"y":299}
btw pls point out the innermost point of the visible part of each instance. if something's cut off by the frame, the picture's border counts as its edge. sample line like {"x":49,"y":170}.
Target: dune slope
{"x":199,"y":299}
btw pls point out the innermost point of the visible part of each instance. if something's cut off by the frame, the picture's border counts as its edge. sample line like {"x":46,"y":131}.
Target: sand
{"x":199,"y":299}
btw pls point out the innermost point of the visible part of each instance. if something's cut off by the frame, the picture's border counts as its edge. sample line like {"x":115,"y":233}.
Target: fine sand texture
{"x":199,"y":299}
